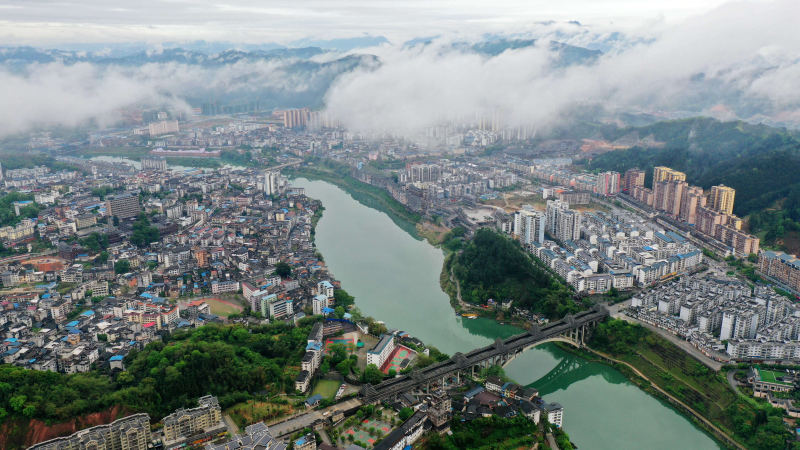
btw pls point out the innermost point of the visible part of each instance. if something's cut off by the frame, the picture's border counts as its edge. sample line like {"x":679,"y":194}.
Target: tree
{"x":102,"y":258}
{"x":405,"y":413}
{"x":122,"y":266}
{"x":339,"y":312}
{"x":372,"y":375}
{"x":143,"y":232}
{"x":343,"y":299}
{"x":17,"y":402}
{"x":325,"y":367}
{"x":392,"y":373}
{"x":283,"y":270}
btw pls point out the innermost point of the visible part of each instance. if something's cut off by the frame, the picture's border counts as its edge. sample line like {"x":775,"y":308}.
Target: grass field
{"x":252,"y":411}
{"x":326,"y":388}
{"x":222,"y":307}
{"x":770,"y":376}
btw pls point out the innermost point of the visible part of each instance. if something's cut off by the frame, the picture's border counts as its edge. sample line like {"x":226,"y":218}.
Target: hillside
{"x":491,"y":266}
{"x":760,"y":162}
{"x":754,"y":423}
{"x":230,"y":362}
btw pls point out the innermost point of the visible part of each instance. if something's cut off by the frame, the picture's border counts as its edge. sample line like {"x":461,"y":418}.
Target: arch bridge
{"x":572,"y":329}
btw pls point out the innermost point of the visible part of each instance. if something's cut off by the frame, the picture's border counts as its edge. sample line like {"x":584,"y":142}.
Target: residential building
{"x":781,"y":267}
{"x":184,"y":425}
{"x":123,"y":206}
{"x":555,"y":414}
{"x":255,"y":437}
{"x":128,"y":433}
{"x":721,"y":199}
{"x":528,"y":225}
{"x":154,"y":163}
{"x":633,"y":178}
{"x":692,"y":199}
{"x":608,"y":183}
{"x":661,"y":173}
{"x":163,"y":127}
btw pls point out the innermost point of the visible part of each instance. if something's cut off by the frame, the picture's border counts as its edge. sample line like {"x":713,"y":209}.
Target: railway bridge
{"x":572,"y":329}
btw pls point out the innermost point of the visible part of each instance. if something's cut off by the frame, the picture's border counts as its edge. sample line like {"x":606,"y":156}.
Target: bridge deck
{"x":510,"y":345}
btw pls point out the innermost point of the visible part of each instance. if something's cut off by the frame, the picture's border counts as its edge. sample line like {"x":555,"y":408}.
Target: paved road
{"x":232,"y":428}
{"x":298,"y":422}
{"x":732,"y":381}
{"x":551,"y":441}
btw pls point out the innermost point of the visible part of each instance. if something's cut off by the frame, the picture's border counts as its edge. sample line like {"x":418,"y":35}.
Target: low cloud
{"x":740,"y":60}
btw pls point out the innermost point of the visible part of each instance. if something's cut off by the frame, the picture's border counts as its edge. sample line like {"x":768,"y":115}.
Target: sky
{"x":729,"y":60}
{"x":54,"y":22}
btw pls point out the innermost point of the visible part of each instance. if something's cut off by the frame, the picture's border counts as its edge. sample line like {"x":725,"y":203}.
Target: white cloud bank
{"x":739,"y":60}
{"x":742,"y":58}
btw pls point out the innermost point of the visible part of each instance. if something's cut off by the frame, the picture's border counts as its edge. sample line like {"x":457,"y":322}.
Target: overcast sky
{"x":53,"y":22}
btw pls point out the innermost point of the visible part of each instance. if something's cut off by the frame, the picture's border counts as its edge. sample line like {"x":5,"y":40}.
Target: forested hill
{"x":230,"y":362}
{"x":762,"y":163}
{"x":492,"y":266}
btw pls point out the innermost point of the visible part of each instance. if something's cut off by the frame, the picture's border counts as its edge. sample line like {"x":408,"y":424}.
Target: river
{"x":395,"y":278}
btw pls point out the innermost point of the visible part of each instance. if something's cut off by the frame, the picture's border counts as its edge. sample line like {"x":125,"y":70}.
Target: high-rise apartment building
{"x":662,"y":173}
{"x":562,"y":223}
{"x":692,"y":198}
{"x":721,"y":198}
{"x":529,"y":225}
{"x":668,"y":195}
{"x":272,"y":182}
{"x":633,"y":178}
{"x":295,"y":118}
{"x":424,"y":172}
{"x":608,"y":183}
{"x":123,"y":206}
{"x":154,"y":163}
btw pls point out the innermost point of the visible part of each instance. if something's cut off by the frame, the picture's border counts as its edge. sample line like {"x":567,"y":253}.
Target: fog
{"x":741,"y":60}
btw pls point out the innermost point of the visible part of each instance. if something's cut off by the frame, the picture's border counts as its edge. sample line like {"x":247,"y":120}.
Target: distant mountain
{"x":22,"y":56}
{"x":495,"y":45}
{"x":342,"y":44}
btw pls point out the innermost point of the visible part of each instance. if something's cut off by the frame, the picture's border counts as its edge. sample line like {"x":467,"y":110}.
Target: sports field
{"x":395,"y":360}
{"x":222,"y":307}
{"x":770,"y":376}
{"x":326,"y":388}
{"x":349,"y":343}
{"x":369,"y":431}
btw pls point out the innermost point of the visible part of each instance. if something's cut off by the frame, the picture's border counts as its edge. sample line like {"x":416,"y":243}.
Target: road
{"x":232,"y":428}
{"x":551,"y":441}
{"x":682,"y":344}
{"x":304,"y":420}
{"x":708,"y":423}
{"x":732,"y":381}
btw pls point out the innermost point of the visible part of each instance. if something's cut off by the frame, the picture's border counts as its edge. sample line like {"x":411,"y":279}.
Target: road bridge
{"x":572,"y":329}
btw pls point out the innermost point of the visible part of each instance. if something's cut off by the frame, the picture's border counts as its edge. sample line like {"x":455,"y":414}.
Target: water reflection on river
{"x":395,"y":278}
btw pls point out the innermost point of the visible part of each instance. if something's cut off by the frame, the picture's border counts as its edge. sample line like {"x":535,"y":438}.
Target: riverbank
{"x":705,"y":396}
{"x":366,"y":194}
{"x":394,"y":277}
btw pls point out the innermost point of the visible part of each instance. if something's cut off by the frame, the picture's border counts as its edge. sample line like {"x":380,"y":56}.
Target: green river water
{"x":395,"y":278}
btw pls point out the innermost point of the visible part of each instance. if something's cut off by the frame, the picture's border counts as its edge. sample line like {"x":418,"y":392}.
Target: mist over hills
{"x":727,"y":64}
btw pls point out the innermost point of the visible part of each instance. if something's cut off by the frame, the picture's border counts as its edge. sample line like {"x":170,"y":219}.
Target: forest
{"x":492,"y":266}
{"x":760,"y":162}
{"x":232,"y":362}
